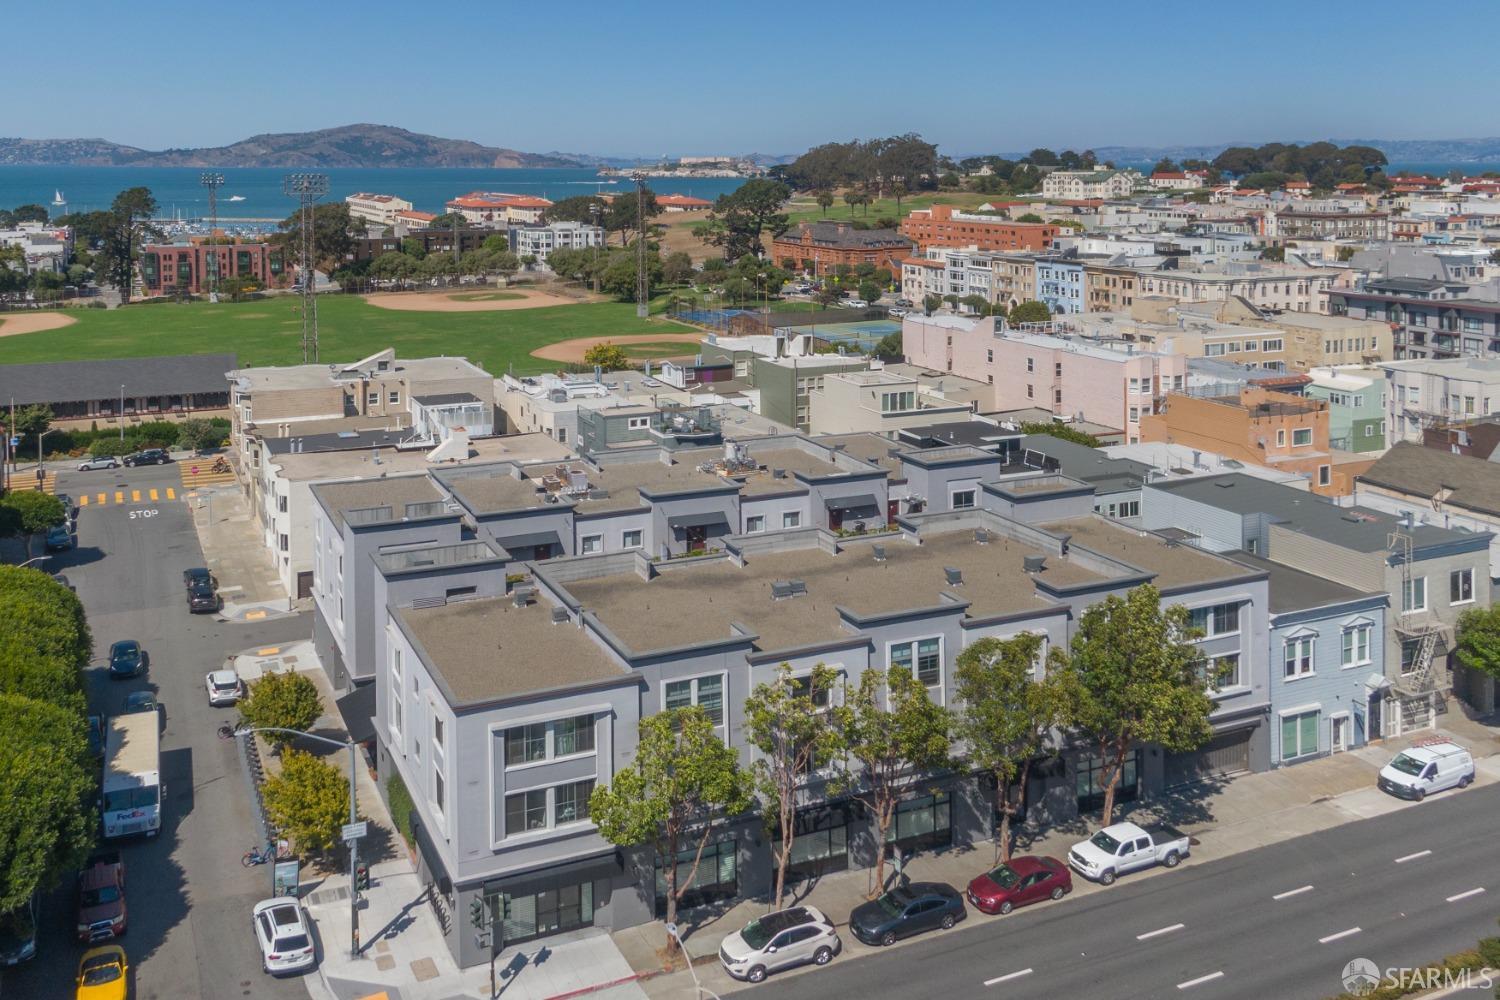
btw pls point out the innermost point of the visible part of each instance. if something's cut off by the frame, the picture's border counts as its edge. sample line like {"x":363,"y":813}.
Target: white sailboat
{"x":58,"y":199}
{"x":236,"y":197}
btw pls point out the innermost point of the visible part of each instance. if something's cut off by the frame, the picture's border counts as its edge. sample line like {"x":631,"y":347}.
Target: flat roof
{"x":324,"y":375}
{"x":1293,"y":590}
{"x":1173,"y":565}
{"x":393,"y":491}
{"x":360,"y":461}
{"x":792,"y":460}
{"x":698,"y":604}
{"x":83,"y":381}
{"x":488,"y":649}
{"x":867,"y":447}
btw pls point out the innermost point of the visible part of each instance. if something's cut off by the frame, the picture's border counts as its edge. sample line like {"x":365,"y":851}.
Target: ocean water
{"x":180,"y":195}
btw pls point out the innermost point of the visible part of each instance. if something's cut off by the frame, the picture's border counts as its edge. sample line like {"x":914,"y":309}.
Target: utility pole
{"x":642,"y":281}
{"x":307,"y":189}
{"x":212,"y":181}
{"x":597,"y":238}
{"x":456,"y":217}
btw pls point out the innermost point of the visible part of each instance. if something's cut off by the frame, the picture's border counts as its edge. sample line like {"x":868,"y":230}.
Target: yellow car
{"x":102,"y":974}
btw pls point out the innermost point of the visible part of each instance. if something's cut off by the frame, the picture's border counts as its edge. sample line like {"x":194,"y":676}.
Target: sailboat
{"x":236,"y":197}
{"x":58,"y":199}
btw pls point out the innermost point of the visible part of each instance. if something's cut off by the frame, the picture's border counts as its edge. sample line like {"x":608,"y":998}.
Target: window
{"x":1219,"y":619}
{"x":755,"y":523}
{"x":1325,"y":475}
{"x":1281,"y":437}
{"x":1092,"y":772}
{"x":395,"y":398}
{"x":1461,"y":586}
{"x":1221,"y":673}
{"x":1299,"y":735}
{"x":1058,"y":370}
{"x":592,"y":544}
{"x":962,"y":499}
{"x":526,"y":744}
{"x":570,"y":803}
{"x":439,"y":798}
{"x":1057,"y":396}
{"x":372,"y":398}
{"x":1030,"y":365}
{"x":898,"y":402}
{"x":791,"y":519}
{"x":922,"y":657}
{"x":638,"y":423}
{"x":1355,"y":645}
{"x":573,"y":736}
{"x":281,"y":503}
{"x":398,"y":698}
{"x":717,"y":877}
{"x":282,"y":542}
{"x":1028,"y":392}
{"x":526,"y":811}
{"x":562,"y":434}
{"x":437,"y":732}
{"x":1297,"y":657}
{"x":1301,"y":437}
{"x":630,"y":539}
{"x":1414,"y":594}
{"x":920,"y":823}
{"x":705,"y":692}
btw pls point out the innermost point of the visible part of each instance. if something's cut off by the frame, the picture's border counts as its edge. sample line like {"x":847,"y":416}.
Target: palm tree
{"x":825,"y":199}
{"x":898,"y":191}
{"x":851,"y":198}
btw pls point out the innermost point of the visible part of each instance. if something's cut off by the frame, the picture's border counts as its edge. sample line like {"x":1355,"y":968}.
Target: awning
{"x":1377,"y":682}
{"x":864,"y":501}
{"x":699,"y":520}
{"x":609,"y":866}
{"x":531,"y":540}
{"x":358,"y":711}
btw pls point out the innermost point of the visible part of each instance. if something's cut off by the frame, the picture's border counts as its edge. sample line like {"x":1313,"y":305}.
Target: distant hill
{"x":1397,"y":151}
{"x":344,"y":146}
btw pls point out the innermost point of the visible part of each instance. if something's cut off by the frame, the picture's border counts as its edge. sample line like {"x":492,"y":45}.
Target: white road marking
{"x":1465,"y":895}
{"x":1159,"y":931}
{"x":1293,"y":892}
{"x":1009,"y":975}
{"x":1340,"y":934}
{"x":1201,"y":980}
{"x":1412,"y":857}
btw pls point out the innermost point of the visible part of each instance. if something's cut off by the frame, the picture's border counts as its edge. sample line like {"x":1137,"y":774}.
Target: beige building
{"x":1078,"y":184}
{"x":378,"y":209}
{"x":879,"y":401}
{"x":1108,"y":289}
{"x":1288,"y":288}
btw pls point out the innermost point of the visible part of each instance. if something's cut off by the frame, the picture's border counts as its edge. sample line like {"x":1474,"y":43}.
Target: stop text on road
{"x":148,"y":512}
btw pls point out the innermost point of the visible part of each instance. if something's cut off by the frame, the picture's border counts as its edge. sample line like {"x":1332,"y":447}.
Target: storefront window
{"x":922,"y":824}
{"x":551,"y":911}
{"x":1091,"y":782}
{"x":716,"y":878}
{"x":820,"y":843}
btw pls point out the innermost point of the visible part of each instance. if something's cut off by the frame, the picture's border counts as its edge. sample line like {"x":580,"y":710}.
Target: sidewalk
{"x":1224,"y":819}
{"x":235,"y":553}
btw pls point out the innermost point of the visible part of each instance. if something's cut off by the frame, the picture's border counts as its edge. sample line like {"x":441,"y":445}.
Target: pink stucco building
{"x":1071,"y":377}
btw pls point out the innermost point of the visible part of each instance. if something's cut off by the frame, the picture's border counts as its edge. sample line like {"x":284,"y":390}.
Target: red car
{"x":1027,"y":879}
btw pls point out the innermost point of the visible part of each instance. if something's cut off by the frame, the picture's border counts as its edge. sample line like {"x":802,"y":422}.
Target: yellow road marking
{"x":135,"y":496}
{"x":253,"y":615}
{"x":268,"y":651}
{"x":101,"y":499}
{"x":171,"y":493}
{"x":153,"y":495}
{"x":83,"y":501}
{"x":119,"y":496}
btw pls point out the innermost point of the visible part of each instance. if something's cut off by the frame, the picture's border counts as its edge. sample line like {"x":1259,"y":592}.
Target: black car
{"x":127,"y":659}
{"x":96,"y":735}
{"x":197,"y":576}
{"x":906,"y":910}
{"x":140,"y":701}
{"x":201,"y":597}
{"x":150,"y":456}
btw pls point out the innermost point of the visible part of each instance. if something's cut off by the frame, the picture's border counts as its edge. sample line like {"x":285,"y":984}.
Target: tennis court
{"x":863,"y":334}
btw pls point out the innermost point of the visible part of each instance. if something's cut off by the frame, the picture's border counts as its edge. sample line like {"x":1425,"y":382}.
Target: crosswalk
{"x":194,"y":476}
{"x":103,"y":498}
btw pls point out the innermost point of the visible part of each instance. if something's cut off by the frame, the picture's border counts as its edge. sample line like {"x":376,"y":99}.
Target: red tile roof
{"x":682,"y":201}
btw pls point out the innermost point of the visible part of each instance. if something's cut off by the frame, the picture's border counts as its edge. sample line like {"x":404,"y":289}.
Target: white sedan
{"x":286,"y":942}
{"x":224,"y":687}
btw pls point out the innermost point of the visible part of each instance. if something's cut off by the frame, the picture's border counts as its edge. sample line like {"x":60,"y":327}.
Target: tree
{"x":1030,"y":311}
{"x":890,"y":346}
{"x":411,"y":247}
{"x":1042,"y":158}
{"x":931,"y":303}
{"x":896,"y":734}
{"x":869,"y":291}
{"x":1029,"y":217}
{"x":448,"y":220}
{"x":122,"y":228}
{"x":308,"y":801}
{"x":1008,"y":716}
{"x":199,"y":435}
{"x":684,"y":777}
{"x":610,"y":357}
{"x":739,"y":218}
{"x":1137,"y":678}
{"x":1478,"y":646}
{"x":788,"y":722}
{"x":35,"y":512}
{"x":47,"y":783}
{"x":677,"y":269}
{"x":46,"y":642}
{"x":825,"y":200}
{"x":331,"y":239}
{"x":31,"y":421}
{"x":282,"y":701}
{"x":497,"y":243}
{"x":579,"y":208}
{"x":621,"y":216}
{"x":1166,"y":166}
{"x":977,"y":304}
{"x":898,"y":192}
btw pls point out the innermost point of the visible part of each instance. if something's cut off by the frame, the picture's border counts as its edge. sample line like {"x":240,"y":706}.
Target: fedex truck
{"x":132,"y":776}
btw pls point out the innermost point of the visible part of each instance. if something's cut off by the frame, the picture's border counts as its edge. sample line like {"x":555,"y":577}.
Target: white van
{"x":1430,"y":767}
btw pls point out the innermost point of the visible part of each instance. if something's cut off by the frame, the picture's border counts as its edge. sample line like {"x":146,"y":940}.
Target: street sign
{"x":15,"y":442}
{"x":354,"y":831}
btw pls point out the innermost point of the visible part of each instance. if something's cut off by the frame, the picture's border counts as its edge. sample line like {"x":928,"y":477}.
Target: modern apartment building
{"x":377,"y":209}
{"x":190,"y":268}
{"x":1431,"y":318}
{"x":540,"y":240}
{"x":946,"y":226}
{"x":1297,"y":223}
{"x":1424,"y":393}
{"x":1075,"y":184}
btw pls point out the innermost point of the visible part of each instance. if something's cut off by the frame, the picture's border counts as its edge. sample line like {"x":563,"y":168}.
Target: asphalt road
{"x":1216,"y":931}
{"x":189,"y":898}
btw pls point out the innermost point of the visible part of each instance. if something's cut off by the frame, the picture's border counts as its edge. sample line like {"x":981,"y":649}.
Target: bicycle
{"x":227,"y":731}
{"x":278,"y":851}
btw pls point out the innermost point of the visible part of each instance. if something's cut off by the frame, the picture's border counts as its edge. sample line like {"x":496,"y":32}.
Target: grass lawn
{"x":269,"y":331}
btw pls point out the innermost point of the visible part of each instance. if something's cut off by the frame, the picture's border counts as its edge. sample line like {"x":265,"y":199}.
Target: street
{"x":1402,"y":889}
{"x":189,"y":898}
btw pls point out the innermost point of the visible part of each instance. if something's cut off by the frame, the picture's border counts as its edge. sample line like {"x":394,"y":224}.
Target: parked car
{"x":779,"y":940}
{"x":140,"y":701}
{"x":281,"y":930}
{"x":98,"y":462}
{"x":127,"y":659}
{"x":906,"y":303}
{"x":1430,"y":767}
{"x":1027,"y":879}
{"x":197,"y":577}
{"x":907,"y":910}
{"x":854,"y":303}
{"x":224,"y":687}
{"x":897,"y":311}
{"x":148,"y":456}
{"x":65,"y":582}
{"x":59,"y":538}
{"x":103,"y":974}
{"x":202,"y":597}
{"x":96,"y":735}
{"x":18,"y":934}
{"x":70,"y":506}
{"x":1126,"y":847}
{"x":101,"y":898}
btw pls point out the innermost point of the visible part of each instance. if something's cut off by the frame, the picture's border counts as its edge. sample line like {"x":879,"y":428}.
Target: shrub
{"x":156,"y":434}
{"x":401,"y":805}
{"x":111,"y":446}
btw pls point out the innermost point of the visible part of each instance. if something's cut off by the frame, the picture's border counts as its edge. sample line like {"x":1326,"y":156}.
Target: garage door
{"x":1221,"y":756}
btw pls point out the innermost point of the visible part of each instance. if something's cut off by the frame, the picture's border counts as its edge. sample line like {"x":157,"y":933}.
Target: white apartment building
{"x":1288,"y":288}
{"x":1422,"y":392}
{"x":1074,"y":184}
{"x":378,"y":209}
{"x":539,"y":241}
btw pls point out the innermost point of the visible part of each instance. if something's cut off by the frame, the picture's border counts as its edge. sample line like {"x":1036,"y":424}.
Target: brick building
{"x":945,"y":226}
{"x":166,"y":268}
{"x":820,"y":247}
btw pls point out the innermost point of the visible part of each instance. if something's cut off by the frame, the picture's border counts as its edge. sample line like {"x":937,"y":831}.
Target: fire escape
{"x":1415,"y":681}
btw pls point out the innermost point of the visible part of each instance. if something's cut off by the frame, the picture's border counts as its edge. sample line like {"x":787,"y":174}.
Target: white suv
{"x":286,"y":942}
{"x":779,"y":940}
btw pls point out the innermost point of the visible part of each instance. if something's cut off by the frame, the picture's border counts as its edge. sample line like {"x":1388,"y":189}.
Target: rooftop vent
{"x":879,"y":552}
{"x":1034,"y":564}
{"x":981,"y":536}
{"x":523,"y":596}
{"x":1224,"y":484}
{"x":559,"y":616}
{"x":955,"y":576}
{"x":778,"y":473}
{"x":785,"y":589}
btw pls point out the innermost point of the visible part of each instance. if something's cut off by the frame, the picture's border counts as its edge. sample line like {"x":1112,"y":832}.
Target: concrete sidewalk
{"x":1224,"y":818}
{"x":236,"y":554}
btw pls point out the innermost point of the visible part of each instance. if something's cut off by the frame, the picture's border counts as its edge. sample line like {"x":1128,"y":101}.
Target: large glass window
{"x":526,"y":811}
{"x":922,"y":657}
{"x":820,"y":842}
{"x":1299,"y":735}
{"x":564,"y":908}
{"x":570,"y":803}
{"x":575,"y":735}
{"x":544,"y":740}
{"x":705,"y":692}
{"x":1090,"y":783}
{"x":922,"y":823}
{"x":1220,"y":619}
{"x":717,"y":877}
{"x":525,"y":744}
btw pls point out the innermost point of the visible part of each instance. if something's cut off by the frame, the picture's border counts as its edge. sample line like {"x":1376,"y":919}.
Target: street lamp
{"x":672,"y":930}
{"x":350,"y":745}
{"x":122,"y":413}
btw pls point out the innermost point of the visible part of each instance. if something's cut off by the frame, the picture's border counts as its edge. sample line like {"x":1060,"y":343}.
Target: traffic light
{"x":476,"y":912}
{"x":362,"y":877}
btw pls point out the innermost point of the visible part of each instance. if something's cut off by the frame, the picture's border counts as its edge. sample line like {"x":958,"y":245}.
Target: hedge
{"x":399,"y":799}
{"x":106,"y":441}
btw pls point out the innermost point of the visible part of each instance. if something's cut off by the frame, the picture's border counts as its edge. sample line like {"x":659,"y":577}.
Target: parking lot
{"x":189,"y":898}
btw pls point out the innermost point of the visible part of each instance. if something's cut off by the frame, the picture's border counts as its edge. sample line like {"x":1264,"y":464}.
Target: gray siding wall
{"x":1332,"y":688}
{"x":559,"y":519}
{"x":1218,"y":530}
{"x":363,"y":616}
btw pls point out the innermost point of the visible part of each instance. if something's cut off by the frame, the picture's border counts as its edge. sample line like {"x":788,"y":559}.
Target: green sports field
{"x":269,"y":331}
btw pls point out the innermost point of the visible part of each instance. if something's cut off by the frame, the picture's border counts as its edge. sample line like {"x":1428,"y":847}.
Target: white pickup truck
{"x":1126,"y":847}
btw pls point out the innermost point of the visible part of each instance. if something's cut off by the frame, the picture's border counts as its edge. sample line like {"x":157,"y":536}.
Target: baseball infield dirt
{"x":14,"y":323}
{"x":572,"y":351}
{"x":464,"y":301}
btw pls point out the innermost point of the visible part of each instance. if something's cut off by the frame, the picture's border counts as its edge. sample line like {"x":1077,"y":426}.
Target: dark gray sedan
{"x":907,"y":910}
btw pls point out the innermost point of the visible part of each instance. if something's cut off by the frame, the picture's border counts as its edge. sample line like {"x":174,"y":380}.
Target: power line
{"x":307,"y":189}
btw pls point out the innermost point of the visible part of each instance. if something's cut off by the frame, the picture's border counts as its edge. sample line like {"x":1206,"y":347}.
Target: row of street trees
{"x":1130,"y":676}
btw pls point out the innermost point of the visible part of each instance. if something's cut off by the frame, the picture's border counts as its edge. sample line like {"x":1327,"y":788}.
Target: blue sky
{"x":663,"y":77}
